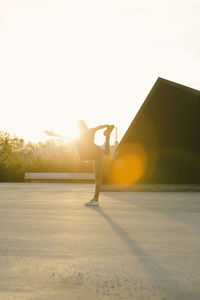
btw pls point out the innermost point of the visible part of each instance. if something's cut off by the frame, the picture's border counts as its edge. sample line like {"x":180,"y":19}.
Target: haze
{"x":61,"y":61}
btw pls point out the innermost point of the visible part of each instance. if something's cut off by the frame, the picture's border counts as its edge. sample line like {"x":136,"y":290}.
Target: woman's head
{"x":82,"y":127}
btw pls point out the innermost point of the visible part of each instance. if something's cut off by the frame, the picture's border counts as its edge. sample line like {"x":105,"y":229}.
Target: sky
{"x":61,"y":61}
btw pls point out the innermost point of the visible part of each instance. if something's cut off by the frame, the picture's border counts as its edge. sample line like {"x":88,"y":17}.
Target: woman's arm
{"x":52,"y":133}
{"x":99,"y":127}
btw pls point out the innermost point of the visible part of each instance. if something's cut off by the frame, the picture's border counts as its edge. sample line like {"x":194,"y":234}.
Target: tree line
{"x":18,"y":157}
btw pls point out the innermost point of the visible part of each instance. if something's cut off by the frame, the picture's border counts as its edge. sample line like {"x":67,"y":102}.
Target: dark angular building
{"x":162,"y":144}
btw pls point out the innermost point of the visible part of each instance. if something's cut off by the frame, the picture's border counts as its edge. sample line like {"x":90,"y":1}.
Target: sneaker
{"x":109,"y":130}
{"x":92,"y":203}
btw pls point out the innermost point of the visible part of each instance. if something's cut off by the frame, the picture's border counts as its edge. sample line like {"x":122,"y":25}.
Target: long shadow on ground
{"x":164,"y":281}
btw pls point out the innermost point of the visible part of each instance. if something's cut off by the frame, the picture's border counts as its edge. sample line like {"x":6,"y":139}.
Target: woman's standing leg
{"x":98,"y":168}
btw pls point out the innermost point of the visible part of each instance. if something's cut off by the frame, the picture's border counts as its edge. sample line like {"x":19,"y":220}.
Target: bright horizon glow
{"x":62,"y":61}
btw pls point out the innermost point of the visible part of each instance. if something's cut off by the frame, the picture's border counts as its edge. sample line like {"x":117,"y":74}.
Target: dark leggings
{"x":98,"y":167}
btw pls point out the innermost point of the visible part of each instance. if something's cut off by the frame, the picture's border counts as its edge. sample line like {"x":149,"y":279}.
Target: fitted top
{"x":86,"y":147}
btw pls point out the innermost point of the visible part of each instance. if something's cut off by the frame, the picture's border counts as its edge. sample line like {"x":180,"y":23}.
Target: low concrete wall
{"x":59,"y":177}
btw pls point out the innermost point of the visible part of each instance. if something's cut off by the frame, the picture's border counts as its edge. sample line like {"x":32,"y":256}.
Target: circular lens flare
{"x":130,"y":167}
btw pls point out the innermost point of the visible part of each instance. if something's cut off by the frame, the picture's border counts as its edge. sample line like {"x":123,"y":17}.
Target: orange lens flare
{"x":130,"y":167}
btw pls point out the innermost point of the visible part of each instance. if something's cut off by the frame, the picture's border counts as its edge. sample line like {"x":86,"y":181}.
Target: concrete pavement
{"x":136,"y":245}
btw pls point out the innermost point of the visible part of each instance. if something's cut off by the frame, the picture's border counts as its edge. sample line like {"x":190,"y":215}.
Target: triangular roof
{"x":142,"y":108}
{"x":167,"y":126}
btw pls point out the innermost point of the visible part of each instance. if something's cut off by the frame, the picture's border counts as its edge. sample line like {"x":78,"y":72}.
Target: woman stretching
{"x":88,"y":150}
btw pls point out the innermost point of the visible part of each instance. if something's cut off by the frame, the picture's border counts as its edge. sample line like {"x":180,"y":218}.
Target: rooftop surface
{"x":136,"y":245}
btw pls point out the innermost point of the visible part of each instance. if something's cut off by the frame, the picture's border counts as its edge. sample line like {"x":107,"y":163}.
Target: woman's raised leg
{"x":107,"y":133}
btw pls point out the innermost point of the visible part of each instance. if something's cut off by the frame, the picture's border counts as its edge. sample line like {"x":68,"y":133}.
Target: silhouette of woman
{"x":88,"y":150}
